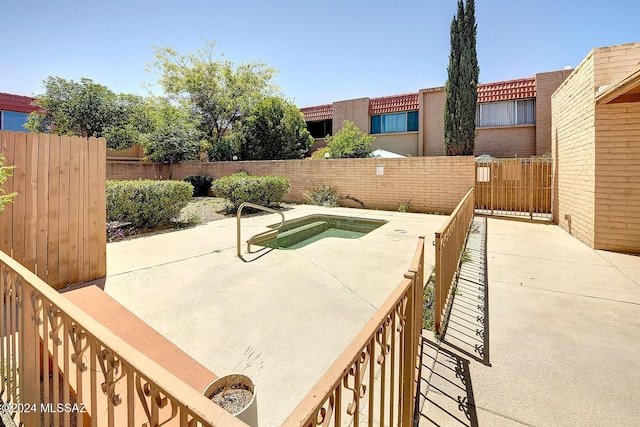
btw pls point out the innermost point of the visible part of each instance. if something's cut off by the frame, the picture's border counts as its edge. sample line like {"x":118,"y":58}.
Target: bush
{"x":201,"y":184}
{"x":241,"y":187}
{"x":323,"y":195}
{"x":146,"y":203}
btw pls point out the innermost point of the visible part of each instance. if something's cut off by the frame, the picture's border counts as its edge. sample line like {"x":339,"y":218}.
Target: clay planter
{"x":225,"y":389}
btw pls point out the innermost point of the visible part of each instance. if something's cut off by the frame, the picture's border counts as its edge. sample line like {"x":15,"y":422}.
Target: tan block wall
{"x":614,"y":63}
{"x":432,"y":121}
{"x":405,"y":144}
{"x":432,"y":184}
{"x":573,"y":150}
{"x":122,"y":170}
{"x":546,"y":84}
{"x":617,"y":193}
{"x":617,"y":139}
{"x":135,"y":153}
{"x":506,"y":141}
{"x":354,"y":110}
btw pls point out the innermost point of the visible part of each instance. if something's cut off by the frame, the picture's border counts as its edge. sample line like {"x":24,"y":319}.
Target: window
{"x":320,"y":129}
{"x":396,"y":122}
{"x":506,"y":113}
{"x":13,"y":121}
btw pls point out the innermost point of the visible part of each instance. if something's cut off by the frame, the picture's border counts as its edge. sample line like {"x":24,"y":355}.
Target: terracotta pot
{"x":249,"y":414}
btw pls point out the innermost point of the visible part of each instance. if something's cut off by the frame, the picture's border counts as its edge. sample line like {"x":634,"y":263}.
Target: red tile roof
{"x":394,"y":104}
{"x":317,"y":113}
{"x":16,"y":103}
{"x":487,"y":92}
{"x":510,"y":89}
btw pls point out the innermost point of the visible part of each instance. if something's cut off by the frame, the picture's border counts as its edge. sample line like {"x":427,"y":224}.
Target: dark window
{"x":412,"y":121}
{"x":375,"y":124}
{"x":320,"y":129}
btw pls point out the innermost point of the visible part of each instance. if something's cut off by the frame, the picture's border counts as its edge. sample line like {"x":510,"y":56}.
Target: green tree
{"x":89,"y":109}
{"x":275,"y":130}
{"x":5,"y":173}
{"x":175,"y":137}
{"x":220,"y":93}
{"x":462,"y":83}
{"x":349,"y":141}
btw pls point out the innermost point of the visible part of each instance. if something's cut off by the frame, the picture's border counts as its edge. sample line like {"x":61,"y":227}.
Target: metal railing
{"x":238,"y":216}
{"x":61,"y":367}
{"x":375,"y":379}
{"x":450,"y":242}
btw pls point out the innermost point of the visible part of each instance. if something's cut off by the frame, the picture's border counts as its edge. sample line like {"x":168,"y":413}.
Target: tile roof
{"x":394,"y":104}
{"x":318,"y":112}
{"x":16,"y":103}
{"x":510,"y":89}
{"x":487,"y":92}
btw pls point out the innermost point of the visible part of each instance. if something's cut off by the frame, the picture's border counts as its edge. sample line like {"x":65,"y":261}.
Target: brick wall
{"x":617,"y":149}
{"x":506,"y":141}
{"x":354,"y":110}
{"x":433,"y":118}
{"x":432,"y":184}
{"x":546,"y":84}
{"x":405,"y":143}
{"x":573,"y":149}
{"x":617,"y":192}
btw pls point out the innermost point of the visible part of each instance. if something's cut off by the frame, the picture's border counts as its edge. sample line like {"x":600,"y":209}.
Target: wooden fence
{"x":374,"y":381}
{"x":450,"y":242}
{"x":56,"y":224}
{"x":514,"y":187}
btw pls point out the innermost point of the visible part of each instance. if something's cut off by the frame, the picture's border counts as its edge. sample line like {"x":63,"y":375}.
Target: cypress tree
{"x":462,"y":83}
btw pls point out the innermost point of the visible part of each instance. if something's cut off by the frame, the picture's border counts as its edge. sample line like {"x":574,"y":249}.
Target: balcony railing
{"x":450,"y":242}
{"x":374,"y":380}
{"x":61,"y":367}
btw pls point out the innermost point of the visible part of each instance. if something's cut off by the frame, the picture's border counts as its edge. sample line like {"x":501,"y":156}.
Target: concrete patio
{"x":554,"y":344}
{"x":284,"y":316}
{"x":561,"y":343}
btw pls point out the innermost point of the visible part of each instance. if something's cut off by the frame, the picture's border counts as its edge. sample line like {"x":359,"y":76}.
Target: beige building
{"x":513,"y":118}
{"x":596,"y":149}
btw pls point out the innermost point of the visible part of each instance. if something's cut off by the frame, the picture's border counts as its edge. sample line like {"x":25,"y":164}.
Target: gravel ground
{"x":204,"y":209}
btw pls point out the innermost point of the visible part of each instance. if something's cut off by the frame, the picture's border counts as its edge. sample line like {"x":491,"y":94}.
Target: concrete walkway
{"x":562,"y":337}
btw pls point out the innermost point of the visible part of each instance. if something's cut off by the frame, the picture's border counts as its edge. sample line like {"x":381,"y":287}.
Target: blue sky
{"x":325,"y":50}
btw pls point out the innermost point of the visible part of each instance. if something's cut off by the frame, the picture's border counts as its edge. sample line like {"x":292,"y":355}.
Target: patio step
{"x":295,"y":235}
{"x":97,"y":304}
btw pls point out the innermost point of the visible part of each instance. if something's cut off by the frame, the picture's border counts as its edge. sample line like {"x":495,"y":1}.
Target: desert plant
{"x":428,"y":302}
{"x":201,"y":184}
{"x":322,"y":195}
{"x":146,"y":203}
{"x":241,"y":187}
{"x":404,"y":206}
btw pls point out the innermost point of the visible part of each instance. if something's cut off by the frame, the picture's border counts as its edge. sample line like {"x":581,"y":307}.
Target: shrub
{"x":146,"y":203}
{"x":349,"y":142}
{"x":201,"y":184}
{"x":323,"y":195}
{"x":404,"y":206}
{"x":241,"y":187}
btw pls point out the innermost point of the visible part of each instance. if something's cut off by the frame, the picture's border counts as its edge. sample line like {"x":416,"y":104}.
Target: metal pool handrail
{"x":264,"y":208}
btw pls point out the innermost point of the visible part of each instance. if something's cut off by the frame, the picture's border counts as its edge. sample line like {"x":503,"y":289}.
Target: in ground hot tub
{"x":300,"y":232}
